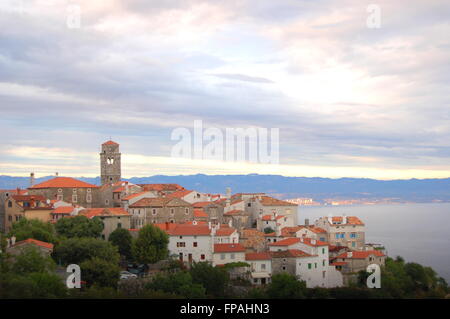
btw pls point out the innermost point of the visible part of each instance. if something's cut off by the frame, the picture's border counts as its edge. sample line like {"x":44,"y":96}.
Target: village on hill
{"x":258,"y":233}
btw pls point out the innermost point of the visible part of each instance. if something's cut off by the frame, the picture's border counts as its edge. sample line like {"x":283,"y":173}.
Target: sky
{"x":349,"y":100}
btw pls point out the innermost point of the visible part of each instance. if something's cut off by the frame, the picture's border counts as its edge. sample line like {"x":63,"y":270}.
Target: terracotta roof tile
{"x":34,"y":242}
{"x":361,"y":254}
{"x":63,"y":182}
{"x":104,"y":212}
{"x":228,"y":248}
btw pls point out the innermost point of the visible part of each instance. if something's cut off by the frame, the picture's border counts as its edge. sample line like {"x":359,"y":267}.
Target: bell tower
{"x":110,"y":163}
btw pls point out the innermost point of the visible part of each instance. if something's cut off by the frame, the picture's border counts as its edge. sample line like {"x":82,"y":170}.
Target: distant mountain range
{"x":414,"y":190}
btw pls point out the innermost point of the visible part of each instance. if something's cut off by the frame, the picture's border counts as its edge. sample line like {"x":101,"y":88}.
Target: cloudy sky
{"x":348,"y":100}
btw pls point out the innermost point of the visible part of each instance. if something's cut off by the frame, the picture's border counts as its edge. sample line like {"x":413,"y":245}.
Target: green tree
{"x":180,"y":283}
{"x":268,"y":230}
{"x":99,"y":272}
{"x":214,"y":279}
{"x":33,"y":228}
{"x":77,"y":250}
{"x":31,"y":260}
{"x":286,"y":286}
{"x":32,"y":285}
{"x":121,"y":238}
{"x":79,"y":226}
{"x":151,"y":245}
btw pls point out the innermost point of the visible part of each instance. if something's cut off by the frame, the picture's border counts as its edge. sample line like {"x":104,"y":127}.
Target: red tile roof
{"x":225,"y":231}
{"x":131,"y":196}
{"x":104,"y":212}
{"x":23,"y":198}
{"x":228,"y":248}
{"x":63,"y":210}
{"x":201,"y":204}
{"x":190,"y":230}
{"x":234,"y":212}
{"x":110,"y":143}
{"x":161,"y":187}
{"x":35,"y":242}
{"x":338,"y":263}
{"x":63,"y":182}
{"x":361,"y":254}
{"x":313,"y":242}
{"x":258,"y":256}
{"x":286,"y":242}
{"x":351,"y":220}
{"x":199,"y":212}
{"x":179,"y":194}
{"x":151,"y":202}
{"x":270,"y":201}
{"x":289,"y":253}
{"x":267,"y":217}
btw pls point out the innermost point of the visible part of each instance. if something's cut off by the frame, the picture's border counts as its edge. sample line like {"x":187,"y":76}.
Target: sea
{"x":418,"y":232}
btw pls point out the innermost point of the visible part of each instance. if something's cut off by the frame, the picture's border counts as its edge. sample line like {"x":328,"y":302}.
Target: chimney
{"x":31,"y":179}
{"x":306,"y":222}
{"x":344,"y":219}
{"x":56,"y":174}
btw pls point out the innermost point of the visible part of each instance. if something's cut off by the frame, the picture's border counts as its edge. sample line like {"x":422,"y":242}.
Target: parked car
{"x":138,"y":270}
{"x":127,"y":275}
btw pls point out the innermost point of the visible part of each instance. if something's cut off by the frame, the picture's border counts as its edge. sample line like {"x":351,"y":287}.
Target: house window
{"x":353,"y":235}
{"x":263,"y":266}
{"x":309,"y":265}
{"x":195,"y":244}
{"x":222,"y":256}
{"x":172,"y":211}
{"x":154,"y":211}
{"x":89,"y":190}
{"x":74,"y":198}
{"x":172,"y":221}
{"x":202,"y":257}
{"x":181,"y":244}
{"x":119,"y":225}
{"x":106,"y":201}
{"x":10,"y":218}
{"x":186,"y":211}
{"x":315,"y":265}
{"x":59,"y":190}
{"x":232,"y":256}
{"x":249,"y":205}
{"x":89,"y":197}
{"x":337,"y":235}
{"x":323,"y":250}
{"x":59,"y":197}
{"x":323,"y":262}
{"x":284,"y":267}
{"x":353,"y":244}
{"x":9,"y":204}
{"x":74,"y":190}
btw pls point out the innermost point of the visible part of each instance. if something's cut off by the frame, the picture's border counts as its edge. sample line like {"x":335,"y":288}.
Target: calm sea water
{"x":417,"y":232}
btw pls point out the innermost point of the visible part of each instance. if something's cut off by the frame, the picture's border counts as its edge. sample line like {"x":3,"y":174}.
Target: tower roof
{"x":110,"y":143}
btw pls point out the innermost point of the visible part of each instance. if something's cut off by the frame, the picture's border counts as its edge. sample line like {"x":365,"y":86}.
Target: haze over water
{"x":417,"y":232}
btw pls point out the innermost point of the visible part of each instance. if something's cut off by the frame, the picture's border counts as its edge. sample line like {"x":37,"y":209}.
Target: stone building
{"x":344,"y":230}
{"x":355,"y":261}
{"x":160,"y":210}
{"x":68,"y":189}
{"x":5,"y":194}
{"x":110,"y":167}
{"x":28,"y":206}
{"x":112,"y":218}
